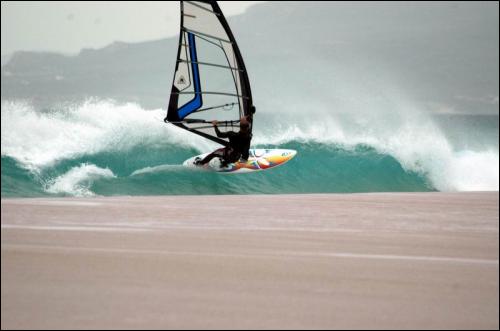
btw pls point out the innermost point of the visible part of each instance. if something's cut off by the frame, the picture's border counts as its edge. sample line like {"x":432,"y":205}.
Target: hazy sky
{"x":68,"y":26}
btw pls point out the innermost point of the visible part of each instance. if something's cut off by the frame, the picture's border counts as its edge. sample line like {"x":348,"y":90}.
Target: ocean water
{"x":106,"y":148}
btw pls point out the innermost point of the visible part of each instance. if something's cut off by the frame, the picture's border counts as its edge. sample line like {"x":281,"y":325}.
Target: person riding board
{"x":239,"y":144}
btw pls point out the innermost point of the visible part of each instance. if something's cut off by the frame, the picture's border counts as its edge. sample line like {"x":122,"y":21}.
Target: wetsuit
{"x":239,"y":144}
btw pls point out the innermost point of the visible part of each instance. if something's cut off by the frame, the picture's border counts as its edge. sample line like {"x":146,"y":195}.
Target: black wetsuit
{"x":239,"y":145}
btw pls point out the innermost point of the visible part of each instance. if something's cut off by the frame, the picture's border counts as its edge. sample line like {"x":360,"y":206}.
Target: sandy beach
{"x":395,"y":261}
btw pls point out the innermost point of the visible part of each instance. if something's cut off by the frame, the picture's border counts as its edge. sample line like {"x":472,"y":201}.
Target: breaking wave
{"x":104,"y":148}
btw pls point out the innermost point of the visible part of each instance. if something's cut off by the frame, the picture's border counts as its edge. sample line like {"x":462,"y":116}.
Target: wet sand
{"x":395,"y":261}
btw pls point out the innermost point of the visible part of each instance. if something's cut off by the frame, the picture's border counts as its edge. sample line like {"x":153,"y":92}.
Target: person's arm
{"x":221,"y":134}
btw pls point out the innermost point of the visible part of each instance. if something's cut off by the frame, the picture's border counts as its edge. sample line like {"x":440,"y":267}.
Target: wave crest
{"x":41,"y":139}
{"x":78,"y":180}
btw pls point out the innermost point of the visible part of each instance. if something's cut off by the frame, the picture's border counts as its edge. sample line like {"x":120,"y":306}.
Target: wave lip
{"x":78,"y":181}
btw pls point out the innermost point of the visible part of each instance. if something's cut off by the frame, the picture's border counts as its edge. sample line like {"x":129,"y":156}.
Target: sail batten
{"x":211,"y":64}
{"x":207,"y":35}
{"x":210,"y":77}
{"x":213,"y":93}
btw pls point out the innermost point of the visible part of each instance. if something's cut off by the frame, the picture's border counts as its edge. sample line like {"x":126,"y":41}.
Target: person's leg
{"x":217,"y":153}
{"x":230,"y":157}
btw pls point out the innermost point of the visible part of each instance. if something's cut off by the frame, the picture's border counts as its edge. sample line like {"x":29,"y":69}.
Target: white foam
{"x":78,"y":180}
{"x":160,"y":168}
{"x":38,"y":139}
{"x":475,"y":171}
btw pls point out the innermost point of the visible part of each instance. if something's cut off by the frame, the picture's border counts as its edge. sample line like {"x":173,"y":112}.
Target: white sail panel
{"x":210,"y":81}
{"x":203,"y":21}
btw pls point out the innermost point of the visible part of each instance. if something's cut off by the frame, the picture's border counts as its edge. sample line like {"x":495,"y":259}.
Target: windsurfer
{"x":239,"y":144}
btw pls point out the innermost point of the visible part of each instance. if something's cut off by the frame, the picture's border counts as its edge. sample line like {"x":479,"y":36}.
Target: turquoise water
{"x":316,"y":168}
{"x":107,"y":149}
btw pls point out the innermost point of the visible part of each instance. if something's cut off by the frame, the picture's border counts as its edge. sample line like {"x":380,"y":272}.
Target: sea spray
{"x":106,"y":148}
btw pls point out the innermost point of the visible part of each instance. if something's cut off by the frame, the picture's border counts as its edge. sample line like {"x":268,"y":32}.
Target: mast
{"x":211,"y":81}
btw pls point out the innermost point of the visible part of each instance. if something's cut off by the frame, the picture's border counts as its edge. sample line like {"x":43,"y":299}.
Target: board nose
{"x":289,"y":153}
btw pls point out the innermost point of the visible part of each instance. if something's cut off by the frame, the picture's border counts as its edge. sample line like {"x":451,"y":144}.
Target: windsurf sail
{"x":210,"y":81}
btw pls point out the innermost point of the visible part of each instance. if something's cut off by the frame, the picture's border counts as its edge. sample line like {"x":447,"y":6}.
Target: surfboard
{"x":259,"y":159}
